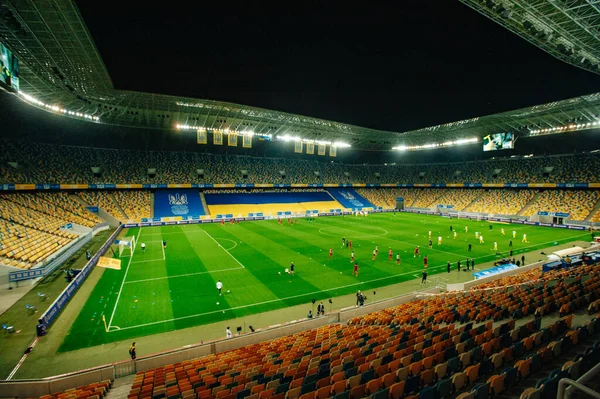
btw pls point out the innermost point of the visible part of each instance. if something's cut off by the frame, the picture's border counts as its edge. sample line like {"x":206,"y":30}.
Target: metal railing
{"x":567,"y":385}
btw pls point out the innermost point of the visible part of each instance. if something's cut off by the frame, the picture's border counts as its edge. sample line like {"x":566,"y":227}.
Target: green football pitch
{"x":164,"y":289}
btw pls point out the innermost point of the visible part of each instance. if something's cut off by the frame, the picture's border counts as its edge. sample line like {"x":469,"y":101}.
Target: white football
{"x":228,"y":291}
{"x":217,"y":303}
{"x":279,"y":273}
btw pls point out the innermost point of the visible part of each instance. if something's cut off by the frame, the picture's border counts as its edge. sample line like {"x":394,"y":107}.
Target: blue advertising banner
{"x":102,"y":186}
{"x":516,"y":185}
{"x":47,"y":186}
{"x":495,"y":270}
{"x":7,"y":187}
{"x":472,"y":185}
{"x":25,"y":275}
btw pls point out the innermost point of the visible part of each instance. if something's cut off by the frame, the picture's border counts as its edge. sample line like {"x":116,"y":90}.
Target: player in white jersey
{"x":439,"y":240}
{"x":476,"y":235}
{"x":481,"y":239}
{"x":455,"y":234}
{"x":524,"y":238}
{"x":466,"y":229}
{"x":514,"y":234}
{"x":495,"y":246}
{"x":429,"y":233}
{"x":502,"y":231}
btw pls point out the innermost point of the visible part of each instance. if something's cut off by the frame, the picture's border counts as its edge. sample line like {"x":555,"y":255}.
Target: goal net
{"x":126,"y":246}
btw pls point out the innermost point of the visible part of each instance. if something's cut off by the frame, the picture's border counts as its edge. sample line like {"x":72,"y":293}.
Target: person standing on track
{"x":132,"y":351}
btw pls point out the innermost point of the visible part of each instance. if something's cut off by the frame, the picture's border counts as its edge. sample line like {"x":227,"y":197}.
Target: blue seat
{"x":536,"y":362}
{"x":342,"y":395}
{"x":351,"y":372}
{"x":444,"y":388}
{"x":348,"y":365}
{"x":510,"y":378}
{"x":428,"y":393}
{"x":481,"y":391}
{"x":412,"y":384}
{"x":310,"y":387}
{"x":383,"y":394}
{"x":367,"y":376}
{"x":282,"y":388}
{"x":242,"y":394}
{"x":453,"y":365}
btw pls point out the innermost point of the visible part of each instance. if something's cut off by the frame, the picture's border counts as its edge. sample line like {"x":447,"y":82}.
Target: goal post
{"x":126,"y":246}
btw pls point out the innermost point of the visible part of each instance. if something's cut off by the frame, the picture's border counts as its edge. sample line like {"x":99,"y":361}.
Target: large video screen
{"x":498,"y":141}
{"x":9,"y":68}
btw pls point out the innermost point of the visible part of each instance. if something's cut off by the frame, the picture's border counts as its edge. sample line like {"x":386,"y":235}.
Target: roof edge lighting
{"x":450,"y":143}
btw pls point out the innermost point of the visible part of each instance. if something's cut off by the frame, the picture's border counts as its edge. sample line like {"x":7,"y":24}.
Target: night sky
{"x":388,"y":65}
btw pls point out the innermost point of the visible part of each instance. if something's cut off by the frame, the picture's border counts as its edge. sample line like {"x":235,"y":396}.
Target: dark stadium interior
{"x":388,"y":65}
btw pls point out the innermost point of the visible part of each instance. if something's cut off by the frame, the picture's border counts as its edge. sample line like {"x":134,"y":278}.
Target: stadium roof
{"x":62,"y":70}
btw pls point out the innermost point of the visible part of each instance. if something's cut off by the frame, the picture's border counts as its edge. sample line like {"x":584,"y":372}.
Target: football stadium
{"x":160,"y":246}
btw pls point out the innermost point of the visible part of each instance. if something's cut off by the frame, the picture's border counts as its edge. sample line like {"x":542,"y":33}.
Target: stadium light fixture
{"x":339,"y":144}
{"x":56,"y":108}
{"x":450,"y":143}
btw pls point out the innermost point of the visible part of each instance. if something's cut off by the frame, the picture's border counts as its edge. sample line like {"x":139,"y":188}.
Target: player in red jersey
{"x":231,"y":221}
{"x":355,"y":272}
{"x":222,"y":222}
{"x":330,"y":252}
{"x":279,"y":221}
{"x":416,"y":253}
{"x":425,"y":261}
{"x":350,"y":244}
{"x":390,"y":254}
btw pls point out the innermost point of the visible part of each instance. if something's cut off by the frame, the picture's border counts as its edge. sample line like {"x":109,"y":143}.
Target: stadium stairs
{"x":118,"y":206}
{"x":529,"y":204}
{"x":202,"y":200}
{"x":594,"y":211}
{"x":151,"y":204}
{"x":107,"y":217}
{"x":475,"y":200}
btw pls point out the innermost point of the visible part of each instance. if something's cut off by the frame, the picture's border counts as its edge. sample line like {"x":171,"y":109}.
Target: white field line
{"x":122,"y":283}
{"x":301,"y":295}
{"x":233,"y":257}
{"x":183,"y":275}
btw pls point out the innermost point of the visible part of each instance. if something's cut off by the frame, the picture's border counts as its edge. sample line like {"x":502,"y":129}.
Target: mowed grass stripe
{"x":266,"y":248}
